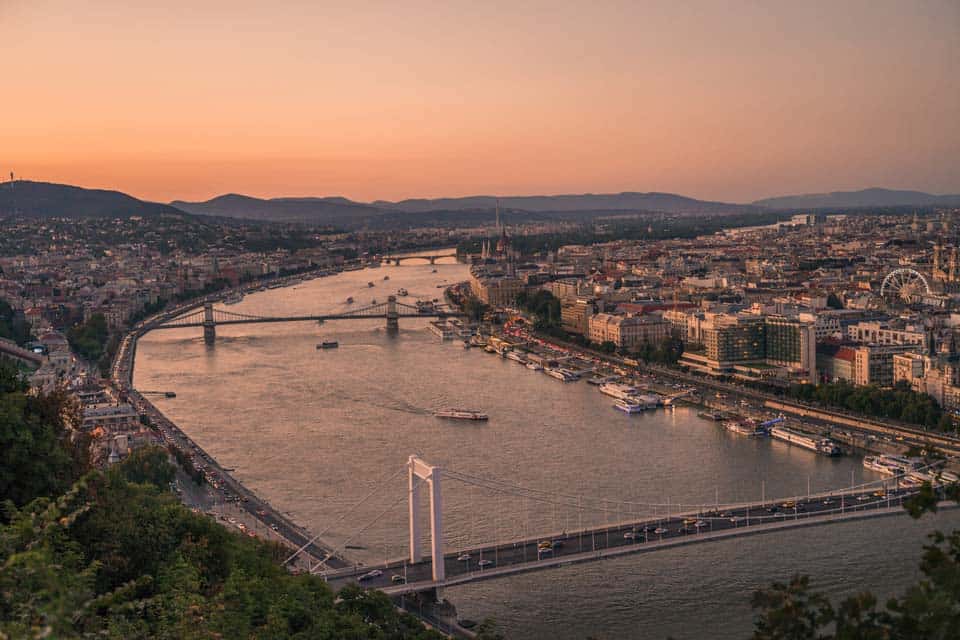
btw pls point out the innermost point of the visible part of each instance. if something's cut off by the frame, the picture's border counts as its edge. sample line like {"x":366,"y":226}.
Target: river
{"x":315,"y":431}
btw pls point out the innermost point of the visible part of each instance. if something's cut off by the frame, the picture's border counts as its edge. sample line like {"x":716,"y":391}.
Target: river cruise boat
{"x":534,"y":366}
{"x":629,"y":407}
{"x":889,"y":464}
{"x":370,"y":285}
{"x":350,"y":300}
{"x":275,"y":285}
{"x":618,"y":391}
{"x":402,"y":292}
{"x":461,"y":414}
{"x":234,"y":298}
{"x":747,"y":428}
{"x":560,"y":374}
{"x":516,"y":356}
{"x":385,"y":278}
{"x":715,"y":416}
{"x":328,"y":344}
{"x":810,"y":441}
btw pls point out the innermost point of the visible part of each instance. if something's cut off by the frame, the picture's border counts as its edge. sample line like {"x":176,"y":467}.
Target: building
{"x":882,"y":333}
{"x":627,"y":332}
{"x":873,"y":364}
{"x":575,"y":315}
{"x":791,"y":343}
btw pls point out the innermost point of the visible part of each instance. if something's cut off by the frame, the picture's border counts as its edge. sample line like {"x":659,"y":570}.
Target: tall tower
{"x":498,"y":216}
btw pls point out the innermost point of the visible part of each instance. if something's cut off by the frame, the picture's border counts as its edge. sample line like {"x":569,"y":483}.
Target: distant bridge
{"x":432,"y":258}
{"x":208,"y":318}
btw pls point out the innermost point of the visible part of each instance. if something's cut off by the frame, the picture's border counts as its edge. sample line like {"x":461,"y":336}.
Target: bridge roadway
{"x":174,"y":324}
{"x":630,"y":537}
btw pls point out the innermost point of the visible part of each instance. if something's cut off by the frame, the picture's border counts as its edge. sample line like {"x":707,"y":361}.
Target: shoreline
{"x":292,"y":534}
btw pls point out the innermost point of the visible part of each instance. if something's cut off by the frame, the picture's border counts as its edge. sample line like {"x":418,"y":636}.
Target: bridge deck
{"x":597,"y":543}
{"x":181,"y":325}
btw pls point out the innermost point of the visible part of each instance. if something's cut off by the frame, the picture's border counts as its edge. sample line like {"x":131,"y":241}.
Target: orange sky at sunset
{"x":719,"y":100}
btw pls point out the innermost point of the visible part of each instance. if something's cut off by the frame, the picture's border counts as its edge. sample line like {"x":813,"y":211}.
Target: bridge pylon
{"x":393,"y":315}
{"x":417,"y":469}
{"x":209,"y":325}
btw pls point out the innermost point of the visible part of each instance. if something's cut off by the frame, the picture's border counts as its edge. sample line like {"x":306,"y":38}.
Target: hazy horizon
{"x":731,"y":102}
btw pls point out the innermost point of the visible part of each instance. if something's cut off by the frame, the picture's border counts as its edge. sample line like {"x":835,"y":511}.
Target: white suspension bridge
{"x":628,"y":527}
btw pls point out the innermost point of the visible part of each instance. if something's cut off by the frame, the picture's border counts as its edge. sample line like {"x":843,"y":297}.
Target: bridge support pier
{"x":393,"y":316}
{"x":433,"y":260}
{"x":209,"y":326}
{"x":418,"y":470}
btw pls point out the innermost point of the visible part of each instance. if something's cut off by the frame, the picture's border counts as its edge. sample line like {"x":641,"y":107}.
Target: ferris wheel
{"x":903,"y":285}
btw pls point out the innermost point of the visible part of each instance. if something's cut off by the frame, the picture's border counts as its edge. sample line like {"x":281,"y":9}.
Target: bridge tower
{"x":417,"y":468}
{"x":433,"y":259}
{"x":393,"y":316}
{"x":209,"y":326}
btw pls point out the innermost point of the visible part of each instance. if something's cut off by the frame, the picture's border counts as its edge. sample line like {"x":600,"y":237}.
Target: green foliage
{"x":13,"y":326}
{"x":834,"y":302}
{"x":39,"y":452}
{"x":90,"y":338}
{"x":544,"y":306}
{"x":667,"y":352}
{"x":116,"y":559}
{"x":147,"y":465}
{"x":474,"y":308}
{"x":928,"y":609}
{"x":900,"y":403}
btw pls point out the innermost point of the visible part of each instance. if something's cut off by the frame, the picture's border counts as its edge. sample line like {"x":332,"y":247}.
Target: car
{"x":735,"y":519}
{"x":629,"y":535}
{"x":827,"y":501}
{"x":275,"y":527}
{"x":688,"y":521}
{"x":463,"y":557}
{"x":660,"y":531}
{"x":370,"y":575}
{"x":398,"y":579}
{"x":773,"y":509}
{"x":880,"y":493}
{"x":699,"y":524}
{"x":789,"y":504}
{"x":862,"y":497}
{"x":484,"y":563}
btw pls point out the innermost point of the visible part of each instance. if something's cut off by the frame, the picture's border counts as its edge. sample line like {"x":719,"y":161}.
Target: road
{"x":632,"y":534}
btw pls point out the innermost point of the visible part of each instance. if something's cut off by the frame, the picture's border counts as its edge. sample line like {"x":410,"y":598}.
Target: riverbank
{"x":226,"y":489}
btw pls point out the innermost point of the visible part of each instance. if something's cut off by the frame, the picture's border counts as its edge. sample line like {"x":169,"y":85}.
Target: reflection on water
{"x":314,"y":431}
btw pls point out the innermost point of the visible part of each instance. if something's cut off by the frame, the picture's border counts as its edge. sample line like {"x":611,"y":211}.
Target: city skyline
{"x":733,"y":103}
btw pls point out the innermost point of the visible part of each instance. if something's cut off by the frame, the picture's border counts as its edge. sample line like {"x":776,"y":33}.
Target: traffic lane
{"x":615,"y":537}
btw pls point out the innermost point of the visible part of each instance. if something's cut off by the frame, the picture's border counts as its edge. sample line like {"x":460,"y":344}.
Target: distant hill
{"x":627,"y":201}
{"x":336,"y":210}
{"x":47,"y":199}
{"x":333,"y":210}
{"x":866,"y":198}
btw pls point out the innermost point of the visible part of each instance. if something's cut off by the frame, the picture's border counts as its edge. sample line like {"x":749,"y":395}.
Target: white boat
{"x":745,"y":428}
{"x":809,"y":441}
{"x":533,"y":366}
{"x":629,"y":407}
{"x":889,"y":464}
{"x":234,"y":298}
{"x":516,"y":356}
{"x":559,"y":374}
{"x":618,"y":391}
{"x":461,"y":414}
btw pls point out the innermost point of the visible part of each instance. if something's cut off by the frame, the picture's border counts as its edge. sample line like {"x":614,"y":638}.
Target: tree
{"x":834,"y":301}
{"x":40,"y":453}
{"x":929,"y":609}
{"x":90,"y":338}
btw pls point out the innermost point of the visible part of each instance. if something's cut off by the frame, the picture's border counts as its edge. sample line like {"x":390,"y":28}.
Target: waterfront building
{"x":575,"y":315}
{"x":627,"y":332}
{"x":873,"y":364}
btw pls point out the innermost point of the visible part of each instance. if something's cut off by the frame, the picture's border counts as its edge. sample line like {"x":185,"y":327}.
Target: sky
{"x":724,"y":100}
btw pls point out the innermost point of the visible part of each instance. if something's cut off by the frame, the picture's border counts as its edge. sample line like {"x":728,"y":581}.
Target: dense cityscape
{"x":558,"y":321}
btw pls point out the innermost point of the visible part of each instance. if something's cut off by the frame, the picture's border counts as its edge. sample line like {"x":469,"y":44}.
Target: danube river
{"x":315,"y":431}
